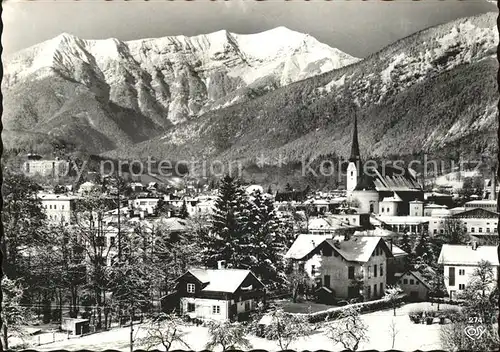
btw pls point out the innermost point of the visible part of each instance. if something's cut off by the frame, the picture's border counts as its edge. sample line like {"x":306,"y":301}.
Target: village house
{"x":460,"y":262}
{"x":59,"y":208}
{"x":36,"y":165}
{"x":345,"y":266}
{"x":414,"y":285}
{"x":219,"y":294}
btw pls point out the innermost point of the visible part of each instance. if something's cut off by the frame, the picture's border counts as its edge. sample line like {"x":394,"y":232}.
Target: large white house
{"x":338,"y":264}
{"x":460,"y":262}
{"x":59,"y":208}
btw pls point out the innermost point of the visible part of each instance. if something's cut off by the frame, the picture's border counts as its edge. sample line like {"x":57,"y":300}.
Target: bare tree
{"x":287,"y":328}
{"x":393,"y":331}
{"x":166,"y":329}
{"x":349,"y":329}
{"x":227,"y":335}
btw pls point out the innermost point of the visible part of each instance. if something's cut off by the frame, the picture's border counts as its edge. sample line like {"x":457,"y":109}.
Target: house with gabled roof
{"x":346,"y":267}
{"x":460,"y":262}
{"x":414,"y":285}
{"x":218,"y":294}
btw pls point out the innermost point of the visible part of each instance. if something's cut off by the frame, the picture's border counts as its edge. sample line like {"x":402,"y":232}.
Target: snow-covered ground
{"x":409,"y":336}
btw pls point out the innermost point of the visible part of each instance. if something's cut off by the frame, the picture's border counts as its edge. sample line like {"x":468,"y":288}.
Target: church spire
{"x":355,"y":156}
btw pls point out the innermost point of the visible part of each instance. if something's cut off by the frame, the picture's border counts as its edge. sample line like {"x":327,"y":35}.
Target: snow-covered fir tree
{"x":228,"y":226}
{"x":268,"y":243}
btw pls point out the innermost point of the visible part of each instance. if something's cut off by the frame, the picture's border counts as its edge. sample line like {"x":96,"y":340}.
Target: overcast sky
{"x":358,"y":28}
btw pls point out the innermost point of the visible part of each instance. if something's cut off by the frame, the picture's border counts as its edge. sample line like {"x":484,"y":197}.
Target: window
{"x":375,"y":271}
{"x":62,"y":207}
{"x":247,"y":306}
{"x":405,"y":281}
{"x":375,"y":290}
{"x":371,"y":208}
{"x":461,"y":271}
{"x":327,"y":251}
{"x":55,"y":206}
{"x":435,"y":231}
{"x":472,"y":229}
{"x":412,"y":282}
{"x":487,"y":229}
{"x":381,"y":288}
{"x":50,"y":206}
{"x":352,"y":173}
{"x":368,"y":291}
{"x":417,"y":282}
{"x":215,"y":309}
{"x":191,"y":307}
{"x":381,"y":269}
{"x":190,"y":288}
{"x":480,"y":229}
{"x":461,"y":286}
{"x":327,"y":281}
{"x":369,"y":271}
{"x":112,"y":241}
{"x":350,"y":272}
{"x":451,"y":276}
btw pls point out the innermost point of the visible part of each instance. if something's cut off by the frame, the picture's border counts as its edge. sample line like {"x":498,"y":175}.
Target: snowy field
{"x":410,"y":336}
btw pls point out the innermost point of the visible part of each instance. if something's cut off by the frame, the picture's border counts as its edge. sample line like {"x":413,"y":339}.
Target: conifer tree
{"x":267,"y":243}
{"x":423,"y":248}
{"x":228,"y":225}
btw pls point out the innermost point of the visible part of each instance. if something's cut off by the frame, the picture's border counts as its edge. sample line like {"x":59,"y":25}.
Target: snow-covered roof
{"x":465,"y":255}
{"x":172,"y":224}
{"x":53,"y":196}
{"x":378,"y":231}
{"x":435,"y":206}
{"x":482,"y":201}
{"x":356,"y":249}
{"x":404,"y":220}
{"x":394,"y":198}
{"x":304,"y":244}
{"x":396,"y":251}
{"x":328,"y":223}
{"x":221,"y":280}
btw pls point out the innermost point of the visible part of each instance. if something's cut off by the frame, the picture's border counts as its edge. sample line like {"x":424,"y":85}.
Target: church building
{"x":380,"y":189}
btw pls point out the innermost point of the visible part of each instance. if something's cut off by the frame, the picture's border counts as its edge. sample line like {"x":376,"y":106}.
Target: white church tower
{"x":354,"y":162}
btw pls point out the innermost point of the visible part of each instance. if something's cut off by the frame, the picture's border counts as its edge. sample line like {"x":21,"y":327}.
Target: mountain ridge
{"x":389,"y":88}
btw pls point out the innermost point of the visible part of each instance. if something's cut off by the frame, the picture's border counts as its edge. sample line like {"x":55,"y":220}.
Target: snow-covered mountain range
{"x":215,"y":95}
{"x":171,"y":79}
{"x":434,"y":91}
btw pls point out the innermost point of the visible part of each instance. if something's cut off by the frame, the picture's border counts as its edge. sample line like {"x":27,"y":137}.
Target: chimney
{"x":221,"y":264}
{"x":474,"y":245}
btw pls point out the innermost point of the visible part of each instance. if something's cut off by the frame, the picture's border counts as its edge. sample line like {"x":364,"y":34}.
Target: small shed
{"x":76,"y":326}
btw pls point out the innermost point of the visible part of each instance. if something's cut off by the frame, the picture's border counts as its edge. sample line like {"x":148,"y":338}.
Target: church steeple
{"x":355,"y":155}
